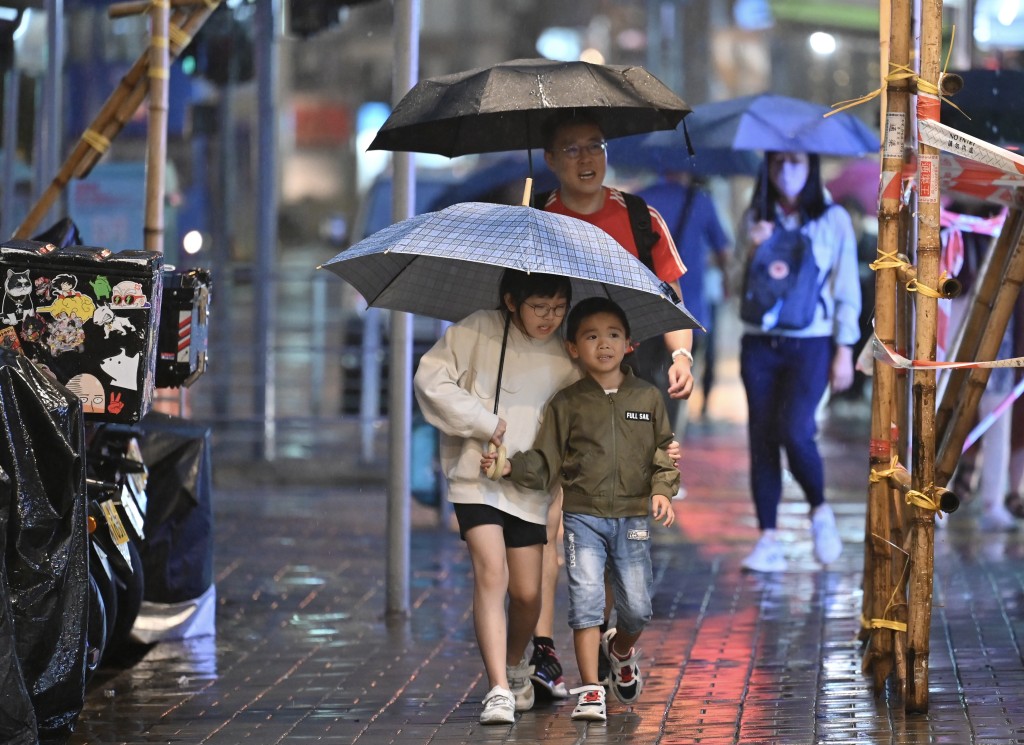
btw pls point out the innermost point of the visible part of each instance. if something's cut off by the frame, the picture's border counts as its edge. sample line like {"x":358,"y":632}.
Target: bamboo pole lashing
{"x":878,"y":579}
{"x":104,"y":126}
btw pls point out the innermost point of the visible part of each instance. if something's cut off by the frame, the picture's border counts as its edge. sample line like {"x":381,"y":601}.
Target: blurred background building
{"x":62,"y":58}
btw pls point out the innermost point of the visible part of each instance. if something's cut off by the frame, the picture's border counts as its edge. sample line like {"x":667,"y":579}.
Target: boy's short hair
{"x":521,"y":285}
{"x":591,"y":307}
{"x":549,"y":129}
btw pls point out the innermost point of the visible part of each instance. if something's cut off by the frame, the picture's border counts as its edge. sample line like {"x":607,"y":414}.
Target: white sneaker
{"x":521,"y":685}
{"x":997,"y":520}
{"x":499,"y":707}
{"x":766,"y":556}
{"x":591,"y":704}
{"x":827,"y":545}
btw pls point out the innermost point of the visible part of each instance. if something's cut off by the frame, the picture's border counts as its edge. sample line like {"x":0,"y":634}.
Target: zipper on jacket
{"x":615,"y":450}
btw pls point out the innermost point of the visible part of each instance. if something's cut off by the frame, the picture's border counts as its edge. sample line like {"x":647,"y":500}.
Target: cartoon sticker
{"x":128,"y":295}
{"x":90,"y":392}
{"x":17,"y":303}
{"x":105,"y":317}
{"x":123,"y":370}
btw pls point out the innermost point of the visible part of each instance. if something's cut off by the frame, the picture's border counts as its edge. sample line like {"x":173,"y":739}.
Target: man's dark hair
{"x":521,"y":285}
{"x":556,"y":121}
{"x":591,"y":307}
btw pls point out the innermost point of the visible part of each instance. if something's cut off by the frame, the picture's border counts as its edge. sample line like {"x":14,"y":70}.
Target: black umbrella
{"x":505,"y":106}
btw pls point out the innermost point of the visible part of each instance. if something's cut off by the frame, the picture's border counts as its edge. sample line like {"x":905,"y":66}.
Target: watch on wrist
{"x":681,"y":352}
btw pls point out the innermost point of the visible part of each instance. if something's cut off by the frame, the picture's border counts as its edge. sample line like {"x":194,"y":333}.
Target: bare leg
{"x":549,"y":576}
{"x":490,"y":585}
{"x":586,"y":643}
{"x":524,"y":588}
{"x":622,"y":643}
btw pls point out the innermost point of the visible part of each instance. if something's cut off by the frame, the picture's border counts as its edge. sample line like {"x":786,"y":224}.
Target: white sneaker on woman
{"x":827,"y":545}
{"x":766,"y":556}
{"x":499,"y":707}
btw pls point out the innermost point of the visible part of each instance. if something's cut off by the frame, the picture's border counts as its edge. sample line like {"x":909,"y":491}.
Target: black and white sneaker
{"x":547,"y":672}
{"x":591,"y":704}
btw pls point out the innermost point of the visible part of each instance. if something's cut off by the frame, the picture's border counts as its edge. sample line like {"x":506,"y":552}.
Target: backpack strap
{"x":643,"y":233}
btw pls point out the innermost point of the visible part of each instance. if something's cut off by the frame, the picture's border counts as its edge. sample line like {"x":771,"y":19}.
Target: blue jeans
{"x":784,"y":378}
{"x":622,"y":544}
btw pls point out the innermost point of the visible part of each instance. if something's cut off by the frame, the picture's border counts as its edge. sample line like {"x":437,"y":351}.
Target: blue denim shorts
{"x":623,"y":544}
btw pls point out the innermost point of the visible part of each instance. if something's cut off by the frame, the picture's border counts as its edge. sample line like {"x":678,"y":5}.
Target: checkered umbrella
{"x":448,"y":264}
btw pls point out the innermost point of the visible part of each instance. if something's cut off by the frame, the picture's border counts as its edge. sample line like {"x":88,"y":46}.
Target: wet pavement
{"x":304,"y":653}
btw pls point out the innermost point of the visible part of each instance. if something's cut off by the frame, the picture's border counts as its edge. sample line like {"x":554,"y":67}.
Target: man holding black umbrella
{"x":576,"y":152}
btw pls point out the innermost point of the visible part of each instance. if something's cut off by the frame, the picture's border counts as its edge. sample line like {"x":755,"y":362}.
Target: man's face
{"x":583,"y":175}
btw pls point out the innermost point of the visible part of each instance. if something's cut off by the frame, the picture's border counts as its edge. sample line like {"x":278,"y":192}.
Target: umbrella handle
{"x":501,"y":361}
{"x":527,"y":192}
{"x":494,"y":472}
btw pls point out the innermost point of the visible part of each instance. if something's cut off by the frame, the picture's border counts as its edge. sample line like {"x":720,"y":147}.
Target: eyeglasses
{"x":573,"y":152}
{"x":546,"y":311}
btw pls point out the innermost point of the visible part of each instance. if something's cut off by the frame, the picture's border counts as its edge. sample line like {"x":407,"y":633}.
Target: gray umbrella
{"x":448,"y":264}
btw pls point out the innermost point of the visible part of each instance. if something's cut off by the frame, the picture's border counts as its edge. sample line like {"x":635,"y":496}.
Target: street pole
{"x":51,"y":123}
{"x":406,"y":41}
{"x":267,"y":14}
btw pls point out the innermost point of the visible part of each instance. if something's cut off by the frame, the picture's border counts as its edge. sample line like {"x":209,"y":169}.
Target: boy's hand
{"x":674,"y":452}
{"x":493,"y":462}
{"x":661,"y":509}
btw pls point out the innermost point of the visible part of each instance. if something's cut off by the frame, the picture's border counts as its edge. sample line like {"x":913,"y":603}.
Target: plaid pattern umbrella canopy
{"x":448,"y":264}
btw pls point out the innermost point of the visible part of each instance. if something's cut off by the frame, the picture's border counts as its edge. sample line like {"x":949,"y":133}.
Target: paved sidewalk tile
{"x":304,"y":652}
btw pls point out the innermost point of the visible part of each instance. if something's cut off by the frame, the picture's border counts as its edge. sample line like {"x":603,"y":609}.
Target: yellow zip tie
{"x":877,"y":476}
{"x":887,"y":261}
{"x":915,"y":285}
{"x":160,"y":4}
{"x":212,"y":4}
{"x":881,"y":623}
{"x":161,"y":73}
{"x":900,"y":72}
{"x":96,"y":141}
{"x":178,"y":37}
{"x":158,"y":41}
{"x":922,"y":499}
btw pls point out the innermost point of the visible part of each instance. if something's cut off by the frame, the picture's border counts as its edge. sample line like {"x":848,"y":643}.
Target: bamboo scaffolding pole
{"x":123,"y":10}
{"x":878,"y":547}
{"x":159,"y":74}
{"x":113,"y":115}
{"x":976,"y":320}
{"x":922,"y":519}
{"x":962,"y":418}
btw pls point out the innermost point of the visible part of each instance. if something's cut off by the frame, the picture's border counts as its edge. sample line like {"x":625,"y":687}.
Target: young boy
{"x":605,"y":438}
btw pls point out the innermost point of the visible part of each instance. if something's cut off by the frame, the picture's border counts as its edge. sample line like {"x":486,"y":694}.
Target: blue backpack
{"x":781,"y":287}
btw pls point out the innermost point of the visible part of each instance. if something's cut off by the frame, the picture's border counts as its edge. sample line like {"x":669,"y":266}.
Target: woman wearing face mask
{"x":785,"y":370}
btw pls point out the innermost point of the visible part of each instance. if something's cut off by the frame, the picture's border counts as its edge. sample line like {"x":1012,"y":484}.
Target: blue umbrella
{"x":500,"y":181}
{"x":666,"y":151}
{"x":449,"y":264}
{"x":770,"y":122}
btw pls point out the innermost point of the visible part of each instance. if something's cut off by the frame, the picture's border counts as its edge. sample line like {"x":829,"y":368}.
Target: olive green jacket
{"x":607,"y":449}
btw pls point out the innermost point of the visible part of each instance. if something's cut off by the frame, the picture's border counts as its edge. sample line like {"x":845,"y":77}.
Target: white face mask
{"x":791,"y":179}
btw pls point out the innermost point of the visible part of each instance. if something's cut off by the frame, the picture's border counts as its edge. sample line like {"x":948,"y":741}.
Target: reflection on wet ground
{"x":304,"y":653}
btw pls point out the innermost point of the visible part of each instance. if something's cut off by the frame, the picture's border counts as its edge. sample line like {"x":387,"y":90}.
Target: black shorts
{"x":518,"y":533}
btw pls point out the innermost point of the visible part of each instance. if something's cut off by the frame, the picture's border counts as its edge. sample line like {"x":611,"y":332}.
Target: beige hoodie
{"x":455,"y":385}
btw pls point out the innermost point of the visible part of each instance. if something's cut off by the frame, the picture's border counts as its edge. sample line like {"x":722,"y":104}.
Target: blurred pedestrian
{"x":785,"y":370}
{"x":698,"y":235}
{"x":502,"y":523}
{"x":604,"y":437}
